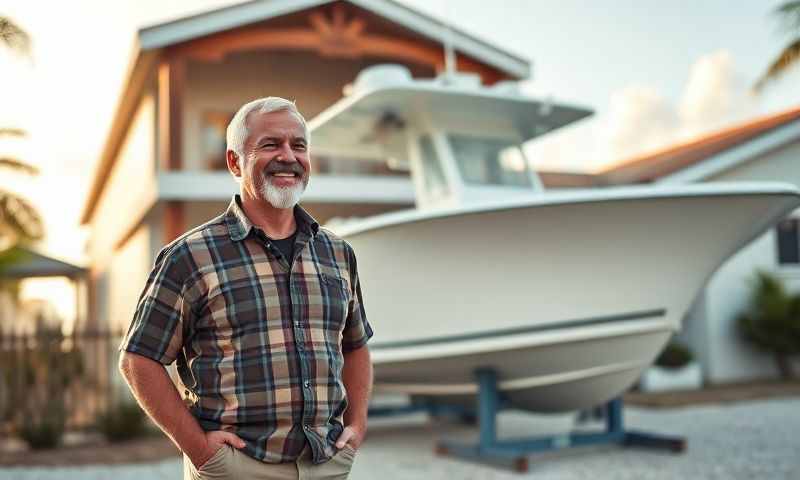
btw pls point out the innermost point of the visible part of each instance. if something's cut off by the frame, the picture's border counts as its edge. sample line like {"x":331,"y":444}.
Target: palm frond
{"x":787,"y":58}
{"x":18,"y":165}
{"x":12,"y":132}
{"x":20,"y":218}
{"x":789,"y":15}
{"x":14,"y":37}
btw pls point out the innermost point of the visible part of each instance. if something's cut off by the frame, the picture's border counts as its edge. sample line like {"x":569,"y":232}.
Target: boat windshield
{"x":490,"y":161}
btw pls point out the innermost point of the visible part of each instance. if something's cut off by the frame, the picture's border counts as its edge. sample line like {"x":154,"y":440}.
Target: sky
{"x":654,"y":72}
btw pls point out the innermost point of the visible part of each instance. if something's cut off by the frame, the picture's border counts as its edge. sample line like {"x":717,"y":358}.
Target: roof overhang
{"x":196,"y":26}
{"x":27,"y":263}
{"x":739,"y":155}
{"x":702,"y":157}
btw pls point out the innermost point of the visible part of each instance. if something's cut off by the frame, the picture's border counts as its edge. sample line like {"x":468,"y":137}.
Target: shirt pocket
{"x":335,"y":296}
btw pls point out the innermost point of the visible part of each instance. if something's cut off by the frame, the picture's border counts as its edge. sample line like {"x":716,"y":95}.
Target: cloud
{"x":715,"y":94}
{"x":640,"y":119}
{"x":568,"y":149}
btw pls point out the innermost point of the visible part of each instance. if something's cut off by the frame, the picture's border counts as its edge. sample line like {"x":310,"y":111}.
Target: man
{"x":262,"y":310}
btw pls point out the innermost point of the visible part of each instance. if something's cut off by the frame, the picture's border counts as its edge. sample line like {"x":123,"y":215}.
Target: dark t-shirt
{"x":286,"y":247}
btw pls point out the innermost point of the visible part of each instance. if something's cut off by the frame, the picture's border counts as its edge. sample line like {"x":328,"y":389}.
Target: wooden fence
{"x":50,"y":374}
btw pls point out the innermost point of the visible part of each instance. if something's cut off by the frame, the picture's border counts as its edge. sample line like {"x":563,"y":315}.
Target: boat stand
{"x":513,"y":453}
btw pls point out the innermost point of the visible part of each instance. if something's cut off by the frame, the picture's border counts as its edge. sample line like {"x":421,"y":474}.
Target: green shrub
{"x":124,"y":421}
{"x":674,"y":355}
{"x":43,"y":375}
{"x":45,"y":431}
{"x":772,"y":323}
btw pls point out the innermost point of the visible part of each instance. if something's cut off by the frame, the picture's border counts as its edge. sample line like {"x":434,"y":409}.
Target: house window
{"x":789,"y":242}
{"x":215,"y":125}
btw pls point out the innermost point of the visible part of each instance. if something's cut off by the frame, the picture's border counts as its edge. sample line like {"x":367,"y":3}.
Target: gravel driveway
{"x":747,"y":440}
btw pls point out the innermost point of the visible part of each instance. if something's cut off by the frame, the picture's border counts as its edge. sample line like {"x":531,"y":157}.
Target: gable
{"x":385,"y":16}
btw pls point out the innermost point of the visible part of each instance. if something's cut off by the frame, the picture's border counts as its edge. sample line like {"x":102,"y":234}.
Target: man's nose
{"x":286,"y":154}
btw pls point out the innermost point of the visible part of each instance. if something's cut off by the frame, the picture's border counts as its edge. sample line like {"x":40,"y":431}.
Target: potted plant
{"x":674,"y":369}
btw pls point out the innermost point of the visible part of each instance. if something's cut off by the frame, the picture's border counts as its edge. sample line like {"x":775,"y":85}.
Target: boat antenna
{"x":447,"y":41}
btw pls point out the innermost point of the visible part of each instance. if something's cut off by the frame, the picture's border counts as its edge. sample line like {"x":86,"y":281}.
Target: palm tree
{"x":19,"y":220}
{"x":789,"y":13}
{"x":14,"y":37}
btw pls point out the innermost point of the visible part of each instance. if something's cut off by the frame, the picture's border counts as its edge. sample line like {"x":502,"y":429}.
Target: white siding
{"x":728,"y":292}
{"x":782,"y":165}
{"x":127,"y":275}
{"x":130,"y":189}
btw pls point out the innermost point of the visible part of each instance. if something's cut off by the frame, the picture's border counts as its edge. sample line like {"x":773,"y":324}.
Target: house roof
{"x":28,"y":262}
{"x":682,"y":156}
{"x":239,"y":15}
{"x":151,"y":40}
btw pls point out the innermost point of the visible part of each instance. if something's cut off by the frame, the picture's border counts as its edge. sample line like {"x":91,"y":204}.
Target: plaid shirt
{"x":258,"y":344}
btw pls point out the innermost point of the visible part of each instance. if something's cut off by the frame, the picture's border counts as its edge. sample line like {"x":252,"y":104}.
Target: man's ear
{"x":234,"y":164}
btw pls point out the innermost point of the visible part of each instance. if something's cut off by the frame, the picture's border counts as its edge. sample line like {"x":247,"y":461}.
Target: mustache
{"x":283,"y":167}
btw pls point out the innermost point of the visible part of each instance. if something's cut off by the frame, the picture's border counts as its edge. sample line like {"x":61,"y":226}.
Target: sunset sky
{"x":655,"y":72}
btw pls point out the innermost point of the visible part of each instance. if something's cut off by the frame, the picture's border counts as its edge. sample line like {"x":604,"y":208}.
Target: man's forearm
{"x":157,"y":395}
{"x":357,"y":377}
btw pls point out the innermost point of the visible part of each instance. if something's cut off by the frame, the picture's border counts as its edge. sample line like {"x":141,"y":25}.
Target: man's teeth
{"x":283,"y":174}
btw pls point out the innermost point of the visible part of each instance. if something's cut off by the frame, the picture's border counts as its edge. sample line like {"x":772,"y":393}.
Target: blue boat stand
{"x":513,"y":453}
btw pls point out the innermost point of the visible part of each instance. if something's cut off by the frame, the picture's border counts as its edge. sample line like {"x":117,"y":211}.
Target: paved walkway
{"x":730,"y":441}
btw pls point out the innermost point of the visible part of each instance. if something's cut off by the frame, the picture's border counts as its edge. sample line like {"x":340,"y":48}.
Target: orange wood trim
{"x":349,"y":43}
{"x":171,"y":88}
{"x":174,"y":220}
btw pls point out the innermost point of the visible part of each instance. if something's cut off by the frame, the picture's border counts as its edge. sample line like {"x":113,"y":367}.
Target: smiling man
{"x":261,"y":308}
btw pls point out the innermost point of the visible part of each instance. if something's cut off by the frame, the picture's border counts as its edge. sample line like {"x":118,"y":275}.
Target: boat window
{"x":487,"y":161}
{"x":433,"y":175}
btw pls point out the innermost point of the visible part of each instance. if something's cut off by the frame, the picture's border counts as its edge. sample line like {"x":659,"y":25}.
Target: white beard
{"x":282,"y":197}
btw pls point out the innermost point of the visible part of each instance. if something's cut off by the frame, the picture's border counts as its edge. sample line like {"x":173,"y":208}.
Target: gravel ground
{"x":740,"y":441}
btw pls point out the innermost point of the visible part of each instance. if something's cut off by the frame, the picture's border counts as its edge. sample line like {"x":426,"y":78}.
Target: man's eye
{"x":299,"y":146}
{"x":268,"y":145}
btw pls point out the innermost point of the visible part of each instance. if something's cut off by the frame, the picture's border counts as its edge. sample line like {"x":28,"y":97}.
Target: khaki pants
{"x":230,"y":463}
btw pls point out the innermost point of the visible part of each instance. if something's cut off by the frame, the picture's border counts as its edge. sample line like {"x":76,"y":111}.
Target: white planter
{"x":659,"y":379}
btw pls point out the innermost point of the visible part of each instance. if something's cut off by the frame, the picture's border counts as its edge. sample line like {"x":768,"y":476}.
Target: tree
{"x":14,"y":37}
{"x":772,"y":322}
{"x":789,"y":14}
{"x":20,"y":222}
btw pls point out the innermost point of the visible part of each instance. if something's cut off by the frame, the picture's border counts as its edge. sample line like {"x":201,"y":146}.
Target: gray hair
{"x":237,"y":130}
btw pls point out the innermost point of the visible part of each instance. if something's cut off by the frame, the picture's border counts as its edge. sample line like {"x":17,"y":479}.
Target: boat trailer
{"x":513,"y":453}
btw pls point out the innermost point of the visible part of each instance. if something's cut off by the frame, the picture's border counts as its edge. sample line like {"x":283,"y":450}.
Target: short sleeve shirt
{"x":259,"y":344}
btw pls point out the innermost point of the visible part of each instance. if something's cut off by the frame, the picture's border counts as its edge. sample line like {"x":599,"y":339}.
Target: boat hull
{"x":570,"y":296}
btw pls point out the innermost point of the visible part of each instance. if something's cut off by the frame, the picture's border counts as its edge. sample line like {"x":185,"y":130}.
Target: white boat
{"x":568,"y":296}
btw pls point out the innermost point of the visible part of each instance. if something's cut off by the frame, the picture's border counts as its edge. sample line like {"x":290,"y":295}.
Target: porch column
{"x":174,"y":219}
{"x":171,"y":87}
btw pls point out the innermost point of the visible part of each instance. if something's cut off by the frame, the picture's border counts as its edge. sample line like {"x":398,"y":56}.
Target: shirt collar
{"x":239,"y":226}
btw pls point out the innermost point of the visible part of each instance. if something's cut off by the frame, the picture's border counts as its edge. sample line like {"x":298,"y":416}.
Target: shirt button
{"x":307,"y":384}
{"x":296,"y":324}
{"x":306,"y":427}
